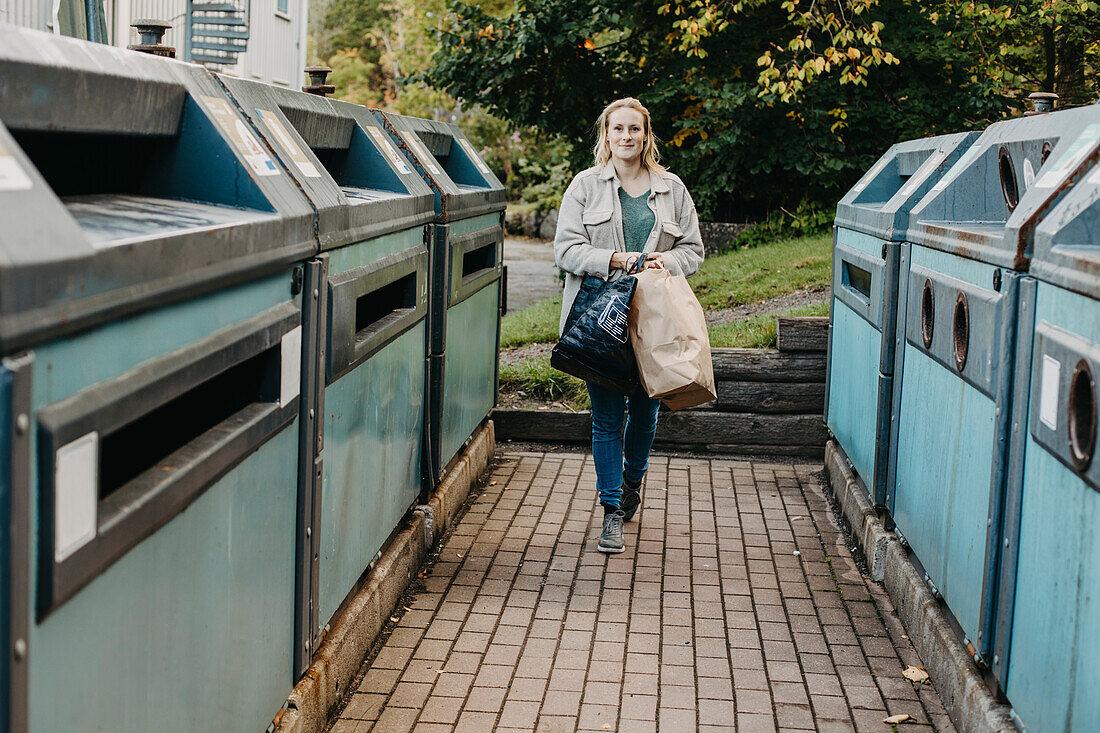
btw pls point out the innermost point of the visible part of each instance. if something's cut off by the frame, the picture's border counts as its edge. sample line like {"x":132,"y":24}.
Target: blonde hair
{"x":651,"y":158}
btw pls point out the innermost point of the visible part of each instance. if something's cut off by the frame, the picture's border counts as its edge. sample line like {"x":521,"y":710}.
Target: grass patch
{"x":767,"y":271}
{"x":758,"y":332}
{"x":538,"y":380}
{"x":536,"y":324}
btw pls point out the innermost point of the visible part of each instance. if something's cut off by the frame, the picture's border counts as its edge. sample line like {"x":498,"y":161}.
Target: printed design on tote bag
{"x":613,"y":319}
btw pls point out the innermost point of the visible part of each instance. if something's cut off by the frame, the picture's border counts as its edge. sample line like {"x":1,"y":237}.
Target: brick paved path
{"x":736,"y":605}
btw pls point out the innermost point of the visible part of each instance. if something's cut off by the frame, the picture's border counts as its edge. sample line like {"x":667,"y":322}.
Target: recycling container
{"x":1048,"y":630}
{"x":467,"y":253}
{"x":151,"y":320}
{"x":964,"y":296}
{"x":373,"y":214}
{"x":872,"y":221}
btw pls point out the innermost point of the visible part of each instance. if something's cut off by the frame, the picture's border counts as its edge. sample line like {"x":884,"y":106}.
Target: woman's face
{"x":626,"y":134}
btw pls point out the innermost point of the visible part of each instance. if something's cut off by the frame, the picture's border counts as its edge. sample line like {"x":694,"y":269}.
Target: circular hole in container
{"x":1082,"y":416}
{"x":1008,"y":179}
{"x":1047,"y":148}
{"x":927,"y":313}
{"x":961,"y":332}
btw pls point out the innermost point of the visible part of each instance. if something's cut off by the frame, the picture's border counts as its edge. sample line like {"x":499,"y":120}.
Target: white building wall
{"x":276,"y":46}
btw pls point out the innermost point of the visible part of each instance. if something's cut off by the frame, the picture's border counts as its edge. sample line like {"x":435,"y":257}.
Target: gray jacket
{"x":590,"y":228}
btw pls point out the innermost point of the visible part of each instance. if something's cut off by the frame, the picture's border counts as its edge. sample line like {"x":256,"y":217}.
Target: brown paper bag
{"x":669,"y":334}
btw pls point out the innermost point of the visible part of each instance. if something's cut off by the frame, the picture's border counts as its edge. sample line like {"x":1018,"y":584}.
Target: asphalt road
{"x":532,"y":275}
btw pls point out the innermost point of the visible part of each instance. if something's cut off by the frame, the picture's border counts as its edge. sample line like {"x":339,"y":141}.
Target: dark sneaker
{"x":632,"y":499}
{"x":611,"y":538}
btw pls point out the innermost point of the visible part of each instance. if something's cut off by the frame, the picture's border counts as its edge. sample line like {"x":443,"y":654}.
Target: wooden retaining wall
{"x":769,"y":402}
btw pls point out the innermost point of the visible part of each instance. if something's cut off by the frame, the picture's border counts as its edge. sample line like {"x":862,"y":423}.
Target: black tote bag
{"x":596,"y":343}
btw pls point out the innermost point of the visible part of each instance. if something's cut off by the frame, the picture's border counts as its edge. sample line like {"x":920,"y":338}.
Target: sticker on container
{"x":1048,"y":392}
{"x":469,"y":148}
{"x":1095,"y":177}
{"x":242,"y":138}
{"x":12,"y":177}
{"x":422,"y":152}
{"x":389,"y":150}
{"x":870,"y":175}
{"x":275,"y":125}
{"x":290,"y":363}
{"x":1080,"y":149}
{"x":76,"y":493}
{"x":922,"y":173}
{"x":1029,"y":173}
{"x":960,"y":165}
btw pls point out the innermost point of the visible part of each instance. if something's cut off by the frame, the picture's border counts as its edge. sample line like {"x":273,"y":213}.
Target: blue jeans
{"x":614,"y":456}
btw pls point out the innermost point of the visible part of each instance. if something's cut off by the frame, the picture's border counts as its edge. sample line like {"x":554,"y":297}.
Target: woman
{"x":626,"y":205}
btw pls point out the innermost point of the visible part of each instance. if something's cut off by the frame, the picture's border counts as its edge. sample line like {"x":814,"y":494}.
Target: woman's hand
{"x":626,"y":260}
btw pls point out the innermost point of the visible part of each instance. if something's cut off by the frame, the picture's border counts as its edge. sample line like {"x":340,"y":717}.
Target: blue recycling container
{"x":872,"y":221}
{"x":963,"y":295}
{"x":362,"y":465}
{"x":467,"y":259}
{"x":1048,"y":629}
{"x":151,"y":323}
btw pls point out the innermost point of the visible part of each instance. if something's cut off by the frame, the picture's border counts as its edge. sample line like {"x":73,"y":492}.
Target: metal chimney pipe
{"x":318,"y":75}
{"x":150,"y":33}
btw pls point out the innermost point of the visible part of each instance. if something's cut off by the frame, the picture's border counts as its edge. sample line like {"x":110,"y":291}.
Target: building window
{"x":282,"y":7}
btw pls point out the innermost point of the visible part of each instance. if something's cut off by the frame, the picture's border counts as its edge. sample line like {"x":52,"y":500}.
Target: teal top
{"x":638,"y":220}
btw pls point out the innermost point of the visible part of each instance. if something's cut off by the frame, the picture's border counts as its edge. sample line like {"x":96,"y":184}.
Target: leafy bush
{"x":806,"y":220}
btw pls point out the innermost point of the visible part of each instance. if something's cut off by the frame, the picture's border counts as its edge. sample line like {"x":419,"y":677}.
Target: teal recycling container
{"x":467,"y":252}
{"x":151,"y":330}
{"x":1048,"y":625}
{"x":964,"y":295}
{"x":872,"y":221}
{"x":362,"y":462}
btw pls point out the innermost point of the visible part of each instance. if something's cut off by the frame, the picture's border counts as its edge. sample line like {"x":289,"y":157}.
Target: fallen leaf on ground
{"x":395,"y":619}
{"x":798,"y":517}
{"x":492,"y":483}
{"x":896,"y":718}
{"x":916,"y":674}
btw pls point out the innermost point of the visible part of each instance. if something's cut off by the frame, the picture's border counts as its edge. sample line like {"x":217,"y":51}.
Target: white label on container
{"x":469,"y":148}
{"x":1095,"y":177}
{"x":290,"y":372}
{"x":76,"y":493}
{"x":1029,"y":174}
{"x":870,"y":175}
{"x":242,"y":138}
{"x":421,"y":152}
{"x":12,"y":177}
{"x":1048,"y":392}
{"x":275,"y":125}
{"x":389,"y":150}
{"x":1069,"y":160}
{"x":921,"y":173}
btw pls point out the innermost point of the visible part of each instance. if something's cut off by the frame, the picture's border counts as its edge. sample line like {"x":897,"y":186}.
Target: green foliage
{"x":758,"y":273}
{"x":536,"y":324}
{"x":538,"y":380}
{"x":758,"y":332}
{"x":744,"y":150}
{"x":806,"y":220}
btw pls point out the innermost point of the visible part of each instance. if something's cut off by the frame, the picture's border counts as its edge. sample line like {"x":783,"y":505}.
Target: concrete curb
{"x":353,"y":634}
{"x":972,"y":707}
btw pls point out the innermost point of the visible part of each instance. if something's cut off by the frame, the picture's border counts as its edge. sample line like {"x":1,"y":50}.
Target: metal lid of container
{"x":128,"y":181}
{"x":360,"y":184}
{"x":880,"y":202}
{"x":986,"y":207}
{"x":1067,"y":240}
{"x":463,"y":183}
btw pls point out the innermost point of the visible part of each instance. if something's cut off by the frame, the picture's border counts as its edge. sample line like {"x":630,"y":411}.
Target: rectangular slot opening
{"x":374,"y":309}
{"x":857,"y":279}
{"x":108,"y":164}
{"x":479,"y":260}
{"x":138,"y":446}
